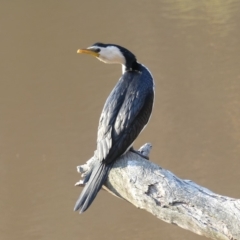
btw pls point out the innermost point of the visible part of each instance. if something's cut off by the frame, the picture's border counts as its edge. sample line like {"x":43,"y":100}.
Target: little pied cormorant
{"x":124,"y":115}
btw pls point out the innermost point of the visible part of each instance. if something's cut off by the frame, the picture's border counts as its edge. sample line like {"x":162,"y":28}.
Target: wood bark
{"x":171,"y":199}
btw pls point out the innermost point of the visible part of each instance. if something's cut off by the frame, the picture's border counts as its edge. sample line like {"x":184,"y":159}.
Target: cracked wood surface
{"x":171,"y":199}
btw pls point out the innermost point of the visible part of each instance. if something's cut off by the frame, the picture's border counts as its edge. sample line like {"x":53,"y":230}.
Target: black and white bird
{"x":125,"y":114}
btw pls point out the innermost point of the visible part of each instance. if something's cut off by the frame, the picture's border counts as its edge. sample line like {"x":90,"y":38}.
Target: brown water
{"x":51,"y":99}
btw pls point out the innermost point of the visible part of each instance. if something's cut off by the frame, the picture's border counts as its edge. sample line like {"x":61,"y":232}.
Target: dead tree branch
{"x":171,"y":199}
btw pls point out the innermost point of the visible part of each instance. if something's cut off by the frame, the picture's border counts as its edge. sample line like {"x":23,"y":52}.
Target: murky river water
{"x":51,"y":99}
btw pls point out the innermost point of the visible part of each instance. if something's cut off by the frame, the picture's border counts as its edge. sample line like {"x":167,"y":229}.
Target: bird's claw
{"x":143,"y":151}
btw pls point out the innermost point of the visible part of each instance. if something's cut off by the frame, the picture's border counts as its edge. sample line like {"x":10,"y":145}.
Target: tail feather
{"x":92,"y":187}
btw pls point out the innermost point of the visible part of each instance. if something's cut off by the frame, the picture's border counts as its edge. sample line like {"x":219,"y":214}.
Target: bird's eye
{"x":97,"y":50}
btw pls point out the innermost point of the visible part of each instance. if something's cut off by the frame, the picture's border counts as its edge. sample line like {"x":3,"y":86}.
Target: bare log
{"x":171,"y":199}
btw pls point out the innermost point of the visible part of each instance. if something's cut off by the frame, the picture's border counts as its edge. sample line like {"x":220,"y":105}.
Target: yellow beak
{"x":88,"y":51}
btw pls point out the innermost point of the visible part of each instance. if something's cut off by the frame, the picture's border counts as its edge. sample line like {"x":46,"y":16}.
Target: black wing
{"x":124,"y":115}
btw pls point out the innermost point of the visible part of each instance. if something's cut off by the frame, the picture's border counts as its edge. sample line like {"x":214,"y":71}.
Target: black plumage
{"x":125,"y":114}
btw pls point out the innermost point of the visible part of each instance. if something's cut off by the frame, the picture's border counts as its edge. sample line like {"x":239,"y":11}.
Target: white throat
{"x":111,"y":54}
{"x":123,"y":68}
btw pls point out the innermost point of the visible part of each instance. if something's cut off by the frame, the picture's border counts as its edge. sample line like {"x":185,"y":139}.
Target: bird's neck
{"x":131,"y":66}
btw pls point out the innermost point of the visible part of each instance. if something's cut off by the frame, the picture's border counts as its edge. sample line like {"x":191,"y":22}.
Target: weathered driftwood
{"x":171,"y":199}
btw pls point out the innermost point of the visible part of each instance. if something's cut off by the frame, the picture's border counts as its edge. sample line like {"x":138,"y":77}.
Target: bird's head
{"x":110,"y":53}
